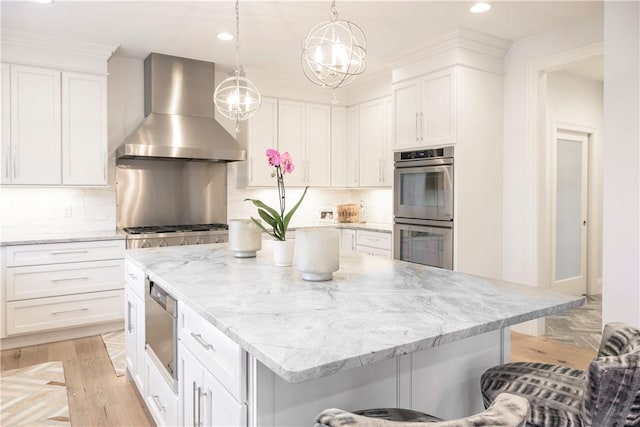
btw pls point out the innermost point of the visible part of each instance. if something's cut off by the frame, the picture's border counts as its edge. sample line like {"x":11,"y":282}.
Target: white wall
{"x":520,"y":203}
{"x":621,"y":207}
{"x":579,"y":101}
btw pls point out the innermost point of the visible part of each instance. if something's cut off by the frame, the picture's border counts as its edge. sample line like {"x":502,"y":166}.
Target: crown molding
{"x":463,"y":38}
{"x":24,"y":40}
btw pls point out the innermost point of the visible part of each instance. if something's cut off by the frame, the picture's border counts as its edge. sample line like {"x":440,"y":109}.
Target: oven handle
{"x":423,"y":162}
{"x":424,"y":222}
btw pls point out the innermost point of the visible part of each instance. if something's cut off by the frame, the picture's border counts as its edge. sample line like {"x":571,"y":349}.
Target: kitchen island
{"x":381,"y":333}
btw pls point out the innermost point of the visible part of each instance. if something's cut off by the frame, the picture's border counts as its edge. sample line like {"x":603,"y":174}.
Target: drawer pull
{"x":69,"y":252}
{"x":69,"y":311}
{"x":158,"y":402}
{"x":202,"y":342}
{"x":133,"y":276}
{"x":70,"y":278}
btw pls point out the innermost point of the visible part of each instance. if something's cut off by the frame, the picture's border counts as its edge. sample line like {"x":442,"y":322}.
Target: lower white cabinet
{"x":374,"y":243}
{"x":159,"y":397}
{"x":134,"y":336}
{"x":203,"y":400}
{"x":347,"y":240}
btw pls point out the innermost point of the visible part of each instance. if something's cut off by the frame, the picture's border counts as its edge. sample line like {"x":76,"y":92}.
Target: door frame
{"x":581,"y":133}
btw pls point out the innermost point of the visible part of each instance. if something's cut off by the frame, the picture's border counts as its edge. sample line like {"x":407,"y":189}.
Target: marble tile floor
{"x":581,"y":326}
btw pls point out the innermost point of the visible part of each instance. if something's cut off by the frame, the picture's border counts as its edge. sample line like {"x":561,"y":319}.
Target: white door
{"x":437,"y":124}
{"x":353,"y":146}
{"x":570,"y":213}
{"x":291,"y":138}
{"x":6,"y":127}
{"x":262,"y":135}
{"x":372,"y":143}
{"x":318,"y":145}
{"x":35,"y":125}
{"x":84,"y":129}
{"x":338,"y":147}
{"x":406,"y":114}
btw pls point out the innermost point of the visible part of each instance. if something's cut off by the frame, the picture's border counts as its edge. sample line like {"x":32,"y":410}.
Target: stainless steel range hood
{"x":179,"y":114}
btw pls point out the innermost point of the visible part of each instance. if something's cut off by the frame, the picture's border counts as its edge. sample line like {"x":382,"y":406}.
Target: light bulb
{"x":480,"y":8}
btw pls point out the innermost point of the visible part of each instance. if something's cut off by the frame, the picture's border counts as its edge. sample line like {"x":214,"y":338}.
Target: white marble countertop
{"x":62,"y":237}
{"x":374,"y":309}
{"x":373,"y":226}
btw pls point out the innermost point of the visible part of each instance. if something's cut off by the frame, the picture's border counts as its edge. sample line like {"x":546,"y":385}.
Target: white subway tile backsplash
{"x":57,"y":209}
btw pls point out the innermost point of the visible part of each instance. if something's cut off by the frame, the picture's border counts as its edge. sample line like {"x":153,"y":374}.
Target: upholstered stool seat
{"x":506,"y":411}
{"x":606,"y":395}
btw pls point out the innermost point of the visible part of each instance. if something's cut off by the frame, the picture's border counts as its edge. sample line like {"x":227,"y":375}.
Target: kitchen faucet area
{"x":333,"y":213}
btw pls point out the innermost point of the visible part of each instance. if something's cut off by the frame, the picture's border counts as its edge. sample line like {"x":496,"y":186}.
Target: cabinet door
{"x":291,"y":137}
{"x":387,"y":155}
{"x":372,"y":143}
{"x":406,"y":114}
{"x":263,"y":134}
{"x":438,"y":117}
{"x":347,"y":241}
{"x":338,"y":147}
{"x":219,"y":407}
{"x":35,"y":125}
{"x":318,"y":145}
{"x":84,"y":129}
{"x":131,"y":331}
{"x":5,"y":155}
{"x":190,"y":387}
{"x":353,"y":146}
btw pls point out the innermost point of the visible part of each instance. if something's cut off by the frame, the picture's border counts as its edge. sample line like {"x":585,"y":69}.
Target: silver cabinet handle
{"x":421,"y":126}
{"x":69,"y":279}
{"x":417,"y":134}
{"x":106,"y":160}
{"x":7,"y":163}
{"x":202,"y":342}
{"x":69,"y":252}
{"x":199,"y":407}
{"x":380,"y":170}
{"x":55,"y":313}
{"x":129,"y":328}
{"x":355,"y":173}
{"x":133,"y":276}
{"x":158,"y":402}
{"x":194,"y":405}
{"x":15,"y":169}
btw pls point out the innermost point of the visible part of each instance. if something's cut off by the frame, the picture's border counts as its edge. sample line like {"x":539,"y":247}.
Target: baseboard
{"x":59,"y":335}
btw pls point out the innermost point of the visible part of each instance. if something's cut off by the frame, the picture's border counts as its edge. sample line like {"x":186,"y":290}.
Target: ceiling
{"x":271,"y":31}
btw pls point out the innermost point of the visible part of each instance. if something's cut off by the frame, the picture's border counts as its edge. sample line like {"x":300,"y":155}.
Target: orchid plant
{"x":278,"y":221}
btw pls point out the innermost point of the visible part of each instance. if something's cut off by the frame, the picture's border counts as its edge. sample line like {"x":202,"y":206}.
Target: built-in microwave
{"x":423,"y":184}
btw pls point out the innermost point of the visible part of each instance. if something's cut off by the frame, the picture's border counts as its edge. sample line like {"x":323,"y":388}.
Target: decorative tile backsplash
{"x":57,"y":209}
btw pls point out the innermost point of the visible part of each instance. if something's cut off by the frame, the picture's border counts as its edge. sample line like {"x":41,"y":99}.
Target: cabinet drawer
{"x":159,"y":397}
{"x":374,"y":239}
{"x":62,"y":279}
{"x":62,"y":312}
{"x":374,"y":251}
{"x":134,"y":278}
{"x":55,"y":253}
{"x":223,"y":357}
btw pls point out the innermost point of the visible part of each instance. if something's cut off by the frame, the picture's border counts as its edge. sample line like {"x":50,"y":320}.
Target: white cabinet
{"x":375,"y":151}
{"x":424,"y":111}
{"x":338,"y":147}
{"x":374,"y":243}
{"x":203,"y":400}
{"x":54,"y":127}
{"x":353,"y":147}
{"x":213,"y":368}
{"x":304,"y":130}
{"x":62,"y":285}
{"x":134,"y":324}
{"x":263,"y":134}
{"x":347,"y":240}
{"x":36,"y":145}
{"x":159,"y":397}
{"x":84,"y":129}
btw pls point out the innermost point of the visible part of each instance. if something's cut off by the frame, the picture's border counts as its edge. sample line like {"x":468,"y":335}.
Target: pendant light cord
{"x":334,"y":12}
{"x":237,"y":38}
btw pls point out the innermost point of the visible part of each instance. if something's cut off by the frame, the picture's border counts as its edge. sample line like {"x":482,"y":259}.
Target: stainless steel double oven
{"x":423,"y":207}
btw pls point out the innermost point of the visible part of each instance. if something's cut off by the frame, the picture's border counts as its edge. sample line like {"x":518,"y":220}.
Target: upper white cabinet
{"x":375,"y":151}
{"x":35,"y":143}
{"x":304,"y":130}
{"x":338,"y":146}
{"x":353,"y":146}
{"x":424,"y":111}
{"x":54,"y":129}
{"x":263,"y":134}
{"x":84,"y":129}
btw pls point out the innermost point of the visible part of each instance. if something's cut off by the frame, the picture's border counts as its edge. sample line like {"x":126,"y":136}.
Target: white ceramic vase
{"x":244,"y":238}
{"x":317,"y":252}
{"x":283,"y":252}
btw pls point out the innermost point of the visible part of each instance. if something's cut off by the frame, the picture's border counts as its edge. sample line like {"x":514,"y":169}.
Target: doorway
{"x":570,"y":183}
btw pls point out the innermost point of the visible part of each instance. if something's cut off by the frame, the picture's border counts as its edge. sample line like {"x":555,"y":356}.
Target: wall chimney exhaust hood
{"x":179,"y":118}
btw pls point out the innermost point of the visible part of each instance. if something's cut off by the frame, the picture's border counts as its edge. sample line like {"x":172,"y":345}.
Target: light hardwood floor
{"x":98,"y":398}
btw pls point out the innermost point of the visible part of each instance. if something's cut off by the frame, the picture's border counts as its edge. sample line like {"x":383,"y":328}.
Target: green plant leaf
{"x":279,"y":227}
{"x":268,"y":218}
{"x":260,"y":226}
{"x":269,"y":209}
{"x":288,"y":216}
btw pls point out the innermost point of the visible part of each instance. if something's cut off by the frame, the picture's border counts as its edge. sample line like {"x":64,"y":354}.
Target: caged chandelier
{"x":236,"y":97}
{"x":333,"y":52}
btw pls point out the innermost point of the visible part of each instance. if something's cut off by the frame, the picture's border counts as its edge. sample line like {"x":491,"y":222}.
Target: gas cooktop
{"x":157,"y":229}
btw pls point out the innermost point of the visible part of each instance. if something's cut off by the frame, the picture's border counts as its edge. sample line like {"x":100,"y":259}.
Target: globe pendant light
{"x":236,"y":97}
{"x":333,"y":52}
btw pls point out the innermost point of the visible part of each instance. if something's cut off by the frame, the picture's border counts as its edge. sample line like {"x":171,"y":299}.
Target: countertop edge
{"x":47,"y":240}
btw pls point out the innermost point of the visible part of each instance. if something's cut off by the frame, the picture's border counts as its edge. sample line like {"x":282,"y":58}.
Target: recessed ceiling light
{"x":224,"y":36}
{"x":43,"y":1}
{"x":480,"y":7}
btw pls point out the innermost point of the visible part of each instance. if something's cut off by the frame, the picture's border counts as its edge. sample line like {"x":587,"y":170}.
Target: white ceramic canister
{"x":245,"y":238}
{"x":317,"y":252}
